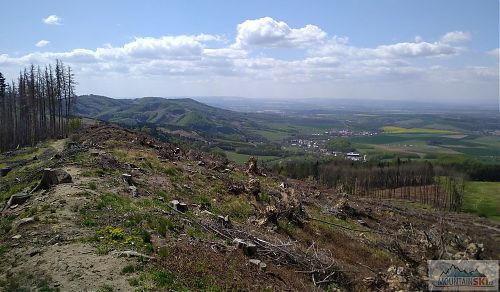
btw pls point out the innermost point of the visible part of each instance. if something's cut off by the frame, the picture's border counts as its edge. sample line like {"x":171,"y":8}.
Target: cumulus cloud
{"x":419,"y":48}
{"x":42,"y":43}
{"x":52,"y":20}
{"x":267,"y":32}
{"x":167,"y":46}
{"x":247,"y":62}
{"x":455,"y":37}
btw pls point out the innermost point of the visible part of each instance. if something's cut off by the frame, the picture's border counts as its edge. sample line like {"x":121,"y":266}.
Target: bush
{"x":74,"y":125}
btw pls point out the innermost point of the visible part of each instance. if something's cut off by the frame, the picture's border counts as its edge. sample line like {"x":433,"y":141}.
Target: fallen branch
{"x":348,"y":228}
{"x":131,"y":253}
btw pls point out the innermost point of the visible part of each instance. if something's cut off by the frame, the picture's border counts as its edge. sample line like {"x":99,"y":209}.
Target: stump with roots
{"x":52,"y":177}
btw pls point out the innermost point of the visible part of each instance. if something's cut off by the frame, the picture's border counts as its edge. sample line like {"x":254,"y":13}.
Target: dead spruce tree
{"x":37,"y":106}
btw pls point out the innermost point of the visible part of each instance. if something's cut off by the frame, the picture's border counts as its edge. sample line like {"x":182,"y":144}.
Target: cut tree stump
{"x":179,"y":206}
{"x":248,"y":248}
{"x":128,"y":179}
{"x":52,"y":177}
{"x":4,"y":171}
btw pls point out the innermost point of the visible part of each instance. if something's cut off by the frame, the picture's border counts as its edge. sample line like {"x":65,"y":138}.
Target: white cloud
{"x":177,"y":64}
{"x":267,"y":32}
{"x":419,"y":49}
{"x":176,"y":47}
{"x":455,"y":37}
{"x":52,"y":20}
{"x":42,"y":43}
{"x":494,"y":53}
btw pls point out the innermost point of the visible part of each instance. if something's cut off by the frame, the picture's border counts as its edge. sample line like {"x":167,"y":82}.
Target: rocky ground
{"x":139,"y":214}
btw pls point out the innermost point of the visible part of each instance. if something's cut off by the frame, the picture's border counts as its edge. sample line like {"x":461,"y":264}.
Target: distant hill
{"x":173,"y":114}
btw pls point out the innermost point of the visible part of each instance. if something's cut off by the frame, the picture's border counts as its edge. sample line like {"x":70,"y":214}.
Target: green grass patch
{"x":113,"y":201}
{"x":273,"y":135}
{"x":482,"y":198}
{"x":238,"y":208}
{"x":165,"y":279}
{"x":243,"y":158}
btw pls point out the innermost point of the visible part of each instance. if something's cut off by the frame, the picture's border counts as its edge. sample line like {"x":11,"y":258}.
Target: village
{"x":317,"y":143}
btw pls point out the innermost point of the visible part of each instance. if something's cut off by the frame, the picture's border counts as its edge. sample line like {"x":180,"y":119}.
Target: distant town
{"x":317,"y":143}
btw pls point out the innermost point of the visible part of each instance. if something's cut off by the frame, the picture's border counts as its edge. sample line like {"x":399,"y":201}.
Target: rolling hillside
{"x":174,"y":114}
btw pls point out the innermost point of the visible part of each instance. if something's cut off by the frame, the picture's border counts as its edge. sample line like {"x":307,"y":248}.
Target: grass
{"x":399,"y":130}
{"x":238,"y":208}
{"x":243,"y":158}
{"x":273,"y":135}
{"x":483,"y":198}
{"x":427,"y":144}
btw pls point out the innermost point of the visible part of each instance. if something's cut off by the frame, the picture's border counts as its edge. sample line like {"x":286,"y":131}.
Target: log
{"x":131,"y":253}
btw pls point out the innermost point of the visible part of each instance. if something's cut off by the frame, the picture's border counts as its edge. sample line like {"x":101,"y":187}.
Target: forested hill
{"x":183,"y":113}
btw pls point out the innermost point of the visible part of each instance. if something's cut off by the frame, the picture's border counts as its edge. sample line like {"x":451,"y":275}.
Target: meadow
{"x":483,"y":199}
{"x":430,"y":146}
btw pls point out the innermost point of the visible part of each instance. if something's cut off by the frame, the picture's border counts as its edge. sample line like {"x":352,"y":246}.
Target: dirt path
{"x":59,"y":144}
{"x":52,"y":245}
{"x":77,"y":267}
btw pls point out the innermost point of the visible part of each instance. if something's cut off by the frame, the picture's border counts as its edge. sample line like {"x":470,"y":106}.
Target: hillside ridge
{"x":142,"y":214}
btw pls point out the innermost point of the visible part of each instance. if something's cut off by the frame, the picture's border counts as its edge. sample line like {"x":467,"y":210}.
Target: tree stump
{"x":179,"y":206}
{"x":52,"y":177}
{"x":128,"y":179}
{"x":4,"y":171}
{"x":249,"y":249}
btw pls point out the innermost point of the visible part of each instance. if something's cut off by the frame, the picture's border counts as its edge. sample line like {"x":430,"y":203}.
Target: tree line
{"x":418,"y":181}
{"x":36,"y":106}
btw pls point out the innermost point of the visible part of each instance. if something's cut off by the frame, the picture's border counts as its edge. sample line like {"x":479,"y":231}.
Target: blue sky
{"x":391,"y":49}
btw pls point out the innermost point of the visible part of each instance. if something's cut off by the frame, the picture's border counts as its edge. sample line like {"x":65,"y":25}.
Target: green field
{"x":483,"y":198}
{"x":399,"y":130}
{"x":424,"y":145}
{"x":242,"y":158}
{"x":273,"y":135}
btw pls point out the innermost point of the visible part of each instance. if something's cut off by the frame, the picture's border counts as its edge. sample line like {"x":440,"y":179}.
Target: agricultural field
{"x":429,"y":146}
{"x":399,"y":130}
{"x":482,"y":198}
